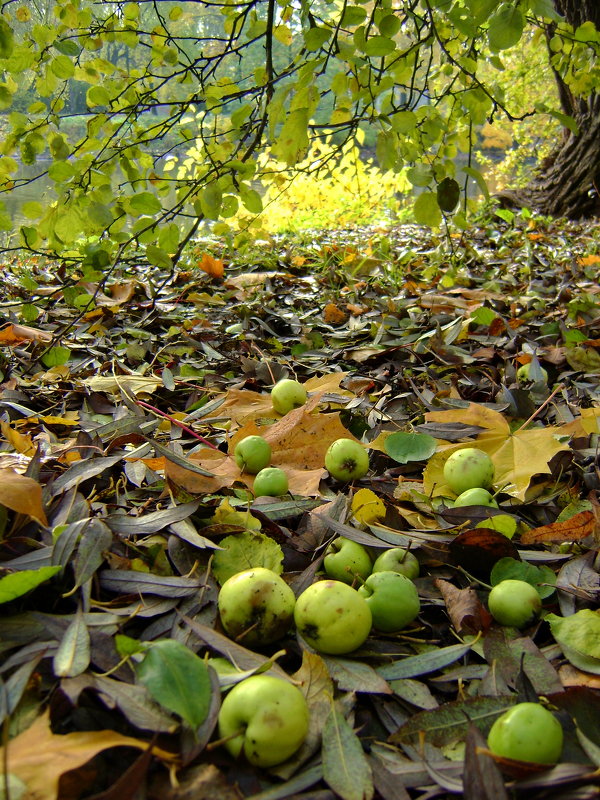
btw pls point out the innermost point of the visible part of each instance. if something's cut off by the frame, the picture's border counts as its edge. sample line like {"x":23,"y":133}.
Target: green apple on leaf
{"x":252,"y":453}
{"x":288,"y":394}
{"x":397,"y":559}
{"x":265,"y":718}
{"x":346,"y":460}
{"x":256,"y":607}
{"x":527,"y":732}
{"x":332,"y":617}
{"x":345,"y":560}
{"x":392,"y":598}
{"x":514,"y":603}
{"x":270,"y":482}
{"x":468,"y":468}
{"x":475,"y":497}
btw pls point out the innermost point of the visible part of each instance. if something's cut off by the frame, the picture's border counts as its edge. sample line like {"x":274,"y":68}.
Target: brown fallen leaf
{"x":21,"y":494}
{"x":16,"y":334}
{"x":574,"y":529}
{"x":465,"y":609}
{"x":39,"y":757}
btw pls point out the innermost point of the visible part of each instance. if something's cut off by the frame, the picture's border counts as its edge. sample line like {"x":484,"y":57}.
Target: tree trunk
{"x":567,"y":183}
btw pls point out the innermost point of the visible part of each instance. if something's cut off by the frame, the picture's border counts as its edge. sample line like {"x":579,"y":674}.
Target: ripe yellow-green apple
{"x":332,"y":617}
{"x":524,"y":371}
{"x":514,"y":603}
{"x":256,"y":606}
{"x":288,"y":394}
{"x":468,"y":468}
{"x":270,"y":482}
{"x":527,"y":732}
{"x":392,"y":598}
{"x":265,"y":718}
{"x":397,"y":559}
{"x":475,"y":497}
{"x":345,"y":560}
{"x":346,"y":460}
{"x":252,"y":453}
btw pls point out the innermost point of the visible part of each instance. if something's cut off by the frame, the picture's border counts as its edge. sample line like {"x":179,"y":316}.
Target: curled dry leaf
{"x":575,"y":529}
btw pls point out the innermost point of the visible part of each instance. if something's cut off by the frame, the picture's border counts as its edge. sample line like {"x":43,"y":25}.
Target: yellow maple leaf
{"x":517,"y":456}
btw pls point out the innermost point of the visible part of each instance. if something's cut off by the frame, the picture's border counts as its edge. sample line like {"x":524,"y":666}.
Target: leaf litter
{"x":122,"y":510}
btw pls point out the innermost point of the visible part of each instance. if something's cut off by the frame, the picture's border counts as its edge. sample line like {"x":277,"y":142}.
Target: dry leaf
{"x":333,"y":315}
{"x":20,"y":442}
{"x":17,"y":334}
{"x":39,"y":757}
{"x":212,"y":266}
{"x":21,"y":494}
{"x":574,"y":529}
{"x":464,"y":608}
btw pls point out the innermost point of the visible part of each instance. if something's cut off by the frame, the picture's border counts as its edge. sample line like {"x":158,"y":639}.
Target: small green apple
{"x":392,"y":598}
{"x":332,"y":617}
{"x":270,"y":482}
{"x":288,"y":394}
{"x":514,"y":603}
{"x":539,"y":373}
{"x":256,"y":606}
{"x":527,"y":732}
{"x":397,"y":559}
{"x":264,"y":717}
{"x":475,"y":497}
{"x":346,"y":460}
{"x":345,"y":559}
{"x":468,"y":468}
{"x":252,"y":453}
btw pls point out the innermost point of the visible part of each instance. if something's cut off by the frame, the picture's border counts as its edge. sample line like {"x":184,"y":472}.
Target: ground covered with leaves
{"x":123,"y":511}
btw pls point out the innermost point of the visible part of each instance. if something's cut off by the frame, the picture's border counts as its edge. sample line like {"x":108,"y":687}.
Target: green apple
{"x":264,"y":717}
{"x":345,"y":559}
{"x":540,"y":374}
{"x":397,"y":559}
{"x":252,"y":453}
{"x":288,"y":394}
{"x":468,"y":468}
{"x":527,"y":732}
{"x":270,"y":482}
{"x":346,"y":460}
{"x":332,"y":617}
{"x":392,"y":598}
{"x":475,"y":497}
{"x":514,"y":603}
{"x":256,"y":606}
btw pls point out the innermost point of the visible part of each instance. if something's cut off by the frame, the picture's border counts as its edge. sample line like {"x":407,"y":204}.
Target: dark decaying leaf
{"x":448,"y":194}
{"x":95,"y":541}
{"x":509,"y":654}
{"x":478,"y":549}
{"x":83,"y":471}
{"x":12,"y":689}
{"x":152,"y":522}
{"x":345,"y":767}
{"x":356,"y":676}
{"x":449,"y":723}
{"x":466,"y":611}
{"x":132,"y":582}
{"x":424,"y":663}
{"x":482,"y":780}
{"x":73,"y":654}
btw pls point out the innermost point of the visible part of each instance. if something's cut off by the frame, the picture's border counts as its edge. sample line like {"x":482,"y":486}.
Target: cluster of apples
{"x":345,"y":459}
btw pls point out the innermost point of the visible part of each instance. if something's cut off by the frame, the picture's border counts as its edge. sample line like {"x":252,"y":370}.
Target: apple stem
{"x":218,"y":742}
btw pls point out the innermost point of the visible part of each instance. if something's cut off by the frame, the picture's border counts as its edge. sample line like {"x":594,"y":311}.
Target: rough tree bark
{"x":567,"y":182}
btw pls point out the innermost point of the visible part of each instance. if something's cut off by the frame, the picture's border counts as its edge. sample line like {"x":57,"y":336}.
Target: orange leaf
{"x":16,"y":334}
{"x":21,"y":494}
{"x":587,"y":261}
{"x":333,"y":315}
{"x":574,"y":529}
{"x":212,"y":266}
{"x":39,"y":757}
{"x":20,"y":442}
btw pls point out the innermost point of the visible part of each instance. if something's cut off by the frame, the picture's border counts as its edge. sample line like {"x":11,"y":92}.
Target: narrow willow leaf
{"x":178,"y":679}
{"x":424,"y":663}
{"x":19,"y":583}
{"x":345,"y":768}
{"x":73,"y":654}
{"x":96,"y":539}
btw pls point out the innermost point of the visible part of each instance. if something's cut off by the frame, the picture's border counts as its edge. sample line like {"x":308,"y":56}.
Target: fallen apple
{"x":514,"y":603}
{"x":256,"y":606}
{"x":252,"y":453}
{"x":288,"y":394}
{"x":527,"y":732}
{"x":332,"y":617}
{"x":346,"y":460}
{"x":524,"y":373}
{"x":270,"y":482}
{"x":264,"y":717}
{"x":468,"y":468}
{"x":397,"y":559}
{"x":392,"y":598}
{"x":475,"y":497}
{"x":345,"y":560}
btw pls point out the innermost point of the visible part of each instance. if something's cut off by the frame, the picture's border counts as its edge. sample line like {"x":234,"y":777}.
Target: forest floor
{"x":122,"y":511}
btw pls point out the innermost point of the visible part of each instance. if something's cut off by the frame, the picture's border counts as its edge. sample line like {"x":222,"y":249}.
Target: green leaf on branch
{"x":506,"y":27}
{"x":427,"y":211}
